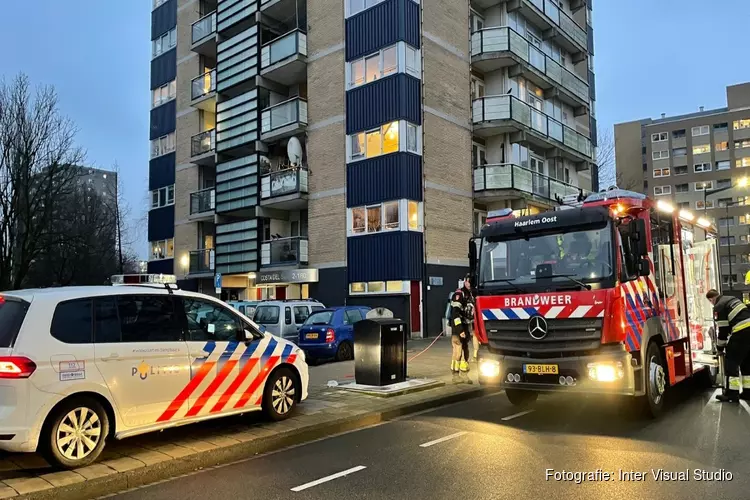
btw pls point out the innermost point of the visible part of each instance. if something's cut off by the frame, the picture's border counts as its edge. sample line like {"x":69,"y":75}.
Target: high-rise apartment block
{"x":699,"y":162}
{"x":347,"y":150}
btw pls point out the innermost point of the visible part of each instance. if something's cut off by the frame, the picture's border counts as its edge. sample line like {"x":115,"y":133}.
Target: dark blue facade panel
{"x":163,"y":18}
{"x":383,"y":25}
{"x":164,"y":69}
{"x":331,"y":288}
{"x":397,"y":97}
{"x":383,"y":178}
{"x":161,"y":171}
{"x":163,"y":119}
{"x":592,"y":86}
{"x":592,"y":130}
{"x":161,"y":223}
{"x":165,"y":266}
{"x":388,"y":256}
{"x":590,"y":33}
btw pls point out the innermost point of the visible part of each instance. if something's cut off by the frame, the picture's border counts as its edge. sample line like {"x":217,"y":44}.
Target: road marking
{"x":712,"y":399}
{"x":328,"y":478}
{"x":746,"y":406}
{"x":442,"y":439}
{"x":520,"y":414}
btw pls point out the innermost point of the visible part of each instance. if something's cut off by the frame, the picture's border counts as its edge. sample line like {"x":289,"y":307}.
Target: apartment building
{"x":699,"y":162}
{"x":347,"y":150}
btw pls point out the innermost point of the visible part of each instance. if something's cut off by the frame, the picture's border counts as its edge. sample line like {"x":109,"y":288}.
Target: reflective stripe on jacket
{"x":731,"y":315}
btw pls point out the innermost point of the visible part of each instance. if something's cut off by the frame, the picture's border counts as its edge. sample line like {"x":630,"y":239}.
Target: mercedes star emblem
{"x":538,"y":327}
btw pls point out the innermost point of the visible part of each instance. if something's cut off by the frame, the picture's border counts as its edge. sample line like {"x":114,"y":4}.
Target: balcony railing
{"x":202,"y":201}
{"x":511,"y":176}
{"x":294,"y":42}
{"x":562,"y":20}
{"x":203,"y":142}
{"x":283,"y":182}
{"x":204,"y":27}
{"x":202,"y":261}
{"x":284,"y":251}
{"x":506,"y":39}
{"x":285,"y":113}
{"x":203,"y":84}
{"x":507,"y":107}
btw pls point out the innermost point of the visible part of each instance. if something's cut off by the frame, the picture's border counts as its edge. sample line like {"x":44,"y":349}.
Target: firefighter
{"x":733,"y":321}
{"x":461,"y":311}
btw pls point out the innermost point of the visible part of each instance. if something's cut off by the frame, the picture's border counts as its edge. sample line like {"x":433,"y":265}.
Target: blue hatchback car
{"x":329,"y":333}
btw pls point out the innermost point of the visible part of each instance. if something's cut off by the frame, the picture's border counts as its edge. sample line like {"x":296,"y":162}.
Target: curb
{"x":146,"y":475}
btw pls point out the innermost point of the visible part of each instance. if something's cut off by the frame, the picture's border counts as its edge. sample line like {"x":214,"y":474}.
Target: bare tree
{"x":606,"y":161}
{"x":37,"y":151}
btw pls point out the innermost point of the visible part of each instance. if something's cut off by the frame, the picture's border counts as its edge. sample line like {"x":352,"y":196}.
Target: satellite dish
{"x":379,"y":312}
{"x":294,"y":151}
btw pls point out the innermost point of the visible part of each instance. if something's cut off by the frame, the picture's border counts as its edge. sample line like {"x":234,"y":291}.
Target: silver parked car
{"x":284,"y":318}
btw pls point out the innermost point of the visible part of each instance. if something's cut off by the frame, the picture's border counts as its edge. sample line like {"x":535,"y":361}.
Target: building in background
{"x":699,"y":161}
{"x":347,"y":150}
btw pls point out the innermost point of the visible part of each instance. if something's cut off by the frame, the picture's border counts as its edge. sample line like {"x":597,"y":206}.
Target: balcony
{"x":278,"y":9}
{"x":284,"y":189}
{"x":549,"y":16}
{"x":493,"y":115}
{"x":284,"y":252}
{"x":506,"y":181}
{"x":202,"y":148}
{"x":495,"y":48}
{"x":203,"y":91}
{"x":284,"y":60}
{"x":202,"y":204}
{"x":282,"y":120}
{"x":202,"y":262}
{"x":204,"y":35}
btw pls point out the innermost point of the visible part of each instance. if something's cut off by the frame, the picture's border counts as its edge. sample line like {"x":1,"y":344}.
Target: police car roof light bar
{"x":168,"y":281}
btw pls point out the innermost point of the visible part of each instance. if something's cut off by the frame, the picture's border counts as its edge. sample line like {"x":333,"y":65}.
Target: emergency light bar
{"x":614,"y":194}
{"x":496,"y":215}
{"x":138,"y":279}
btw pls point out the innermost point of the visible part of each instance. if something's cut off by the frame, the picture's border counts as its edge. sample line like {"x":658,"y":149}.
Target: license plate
{"x":540,"y":369}
{"x":311,"y":336}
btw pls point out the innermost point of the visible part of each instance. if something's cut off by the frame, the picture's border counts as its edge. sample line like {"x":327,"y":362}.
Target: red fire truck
{"x":605,"y":296}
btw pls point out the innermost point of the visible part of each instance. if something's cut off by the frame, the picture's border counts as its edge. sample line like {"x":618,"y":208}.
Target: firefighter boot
{"x":731,"y":394}
{"x":464,"y":366}
{"x":454,"y":366}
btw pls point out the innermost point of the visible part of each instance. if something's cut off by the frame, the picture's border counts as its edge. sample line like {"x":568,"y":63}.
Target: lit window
{"x":162,"y":249}
{"x":661,"y":172}
{"x":661,"y":136}
{"x":384,"y":140}
{"x":359,"y":224}
{"x":390,"y":60}
{"x":164,"y":43}
{"x":376,"y":286}
{"x":357,"y":72}
{"x":702,"y":130}
{"x":374,"y":219}
{"x":723,"y":146}
{"x":662,"y":190}
{"x":372,"y":68}
{"x":700,"y":206}
{"x":679,"y":152}
{"x":744,"y":219}
{"x":742,"y":162}
{"x":383,"y":63}
{"x":413,"y":215}
{"x":723,"y":165}
{"x":740,"y":124}
{"x":702,"y":167}
{"x":162,"y":197}
{"x":390,"y":138}
{"x":702,"y":149}
{"x":660,"y":155}
{"x":163,"y":145}
{"x":704,"y":186}
{"x":394,"y":286}
{"x":357,"y":287}
{"x":404,"y":215}
{"x":742,"y":144}
{"x":374,"y":144}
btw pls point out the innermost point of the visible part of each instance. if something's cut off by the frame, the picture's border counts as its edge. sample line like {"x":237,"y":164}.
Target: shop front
{"x":285,"y":284}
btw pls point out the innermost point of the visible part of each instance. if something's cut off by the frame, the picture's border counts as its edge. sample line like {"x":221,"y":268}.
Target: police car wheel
{"x":281,"y":394}
{"x":521,"y":398}
{"x":75,"y":433}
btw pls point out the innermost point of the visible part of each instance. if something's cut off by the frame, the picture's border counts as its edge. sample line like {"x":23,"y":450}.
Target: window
{"x":661,"y":172}
{"x":162,"y":249}
{"x":742,"y":162}
{"x":740,"y":124}
{"x":743,"y":200}
{"x":661,"y":136}
{"x":722,"y":165}
{"x":411,"y":138}
{"x":744,"y":220}
{"x":72,"y":322}
{"x":403,"y":215}
{"x":659,"y":155}
{"x":12,"y":314}
{"x":679,"y":152}
{"x":148,"y":318}
{"x":683,"y":204}
{"x":702,"y":130}
{"x":742,"y":144}
{"x":723,"y":145}
{"x":413,"y":62}
{"x":682,"y":188}
{"x":376,"y":142}
{"x":376,"y":287}
{"x":701,"y":167}
{"x":681,"y":170}
{"x":723,"y":202}
{"x":164,"y":43}
{"x":390,"y":215}
{"x":721,"y":127}
{"x":266,"y":315}
{"x":723,"y":183}
{"x":163,"y":145}
{"x":726,"y":259}
{"x":106,"y":321}
{"x":208,"y":320}
{"x":163,"y":94}
{"x":300,"y":314}
{"x":725,"y":277}
{"x":701,"y":149}
{"x":288,"y":315}
{"x":351,"y":316}
{"x":356,"y":6}
{"x":373,"y":67}
{"x":662,"y":190}
{"x":700,"y":206}
{"x":379,"y":287}
{"x":703,"y":186}
{"x":413,"y":215}
{"x":726,"y":221}
{"x":162,"y":197}
{"x":744,"y":238}
{"x":678,"y":134}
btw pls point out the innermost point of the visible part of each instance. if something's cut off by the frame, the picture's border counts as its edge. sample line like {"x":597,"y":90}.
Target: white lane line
{"x":746,"y":406}
{"x":712,"y":399}
{"x":516,"y":415}
{"x":328,"y":478}
{"x":442,"y":439}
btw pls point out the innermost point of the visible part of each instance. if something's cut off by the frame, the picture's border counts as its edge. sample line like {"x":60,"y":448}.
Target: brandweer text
{"x":536,"y":300}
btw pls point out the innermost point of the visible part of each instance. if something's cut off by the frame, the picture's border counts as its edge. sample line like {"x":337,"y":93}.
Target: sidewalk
{"x":144,"y":459}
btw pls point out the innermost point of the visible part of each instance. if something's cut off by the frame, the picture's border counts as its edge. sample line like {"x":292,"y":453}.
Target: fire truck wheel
{"x":656,"y":381}
{"x":521,"y":398}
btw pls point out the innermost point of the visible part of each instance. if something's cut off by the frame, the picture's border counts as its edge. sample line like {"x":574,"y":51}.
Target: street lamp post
{"x":743,"y":182}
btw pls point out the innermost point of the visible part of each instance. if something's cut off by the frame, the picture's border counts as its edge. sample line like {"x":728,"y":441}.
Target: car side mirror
{"x":639,"y":237}
{"x":644,"y":269}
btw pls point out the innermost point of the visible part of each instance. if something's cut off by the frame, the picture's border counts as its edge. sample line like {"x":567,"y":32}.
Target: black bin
{"x":379,"y":351}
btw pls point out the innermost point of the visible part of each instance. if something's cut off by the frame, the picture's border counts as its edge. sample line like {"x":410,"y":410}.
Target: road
{"x":488,"y":449}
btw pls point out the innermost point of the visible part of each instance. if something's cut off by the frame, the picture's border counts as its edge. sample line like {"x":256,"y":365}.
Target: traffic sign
{"x":217,"y":282}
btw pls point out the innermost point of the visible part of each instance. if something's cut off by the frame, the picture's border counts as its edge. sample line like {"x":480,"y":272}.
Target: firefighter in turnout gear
{"x":733,"y":321}
{"x":462,"y":317}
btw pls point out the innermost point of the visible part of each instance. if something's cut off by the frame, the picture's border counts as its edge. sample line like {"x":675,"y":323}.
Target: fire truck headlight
{"x":606,"y":372}
{"x":489,"y":368}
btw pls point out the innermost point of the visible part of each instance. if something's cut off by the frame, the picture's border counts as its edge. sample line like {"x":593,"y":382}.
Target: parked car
{"x":79,"y":365}
{"x":246,"y":307}
{"x":284,"y":318}
{"x":329,"y":333}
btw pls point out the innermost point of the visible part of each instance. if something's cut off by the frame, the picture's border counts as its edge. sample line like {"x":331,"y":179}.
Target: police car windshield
{"x":586,"y":256}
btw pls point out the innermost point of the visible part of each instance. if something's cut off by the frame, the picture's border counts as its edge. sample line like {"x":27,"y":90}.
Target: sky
{"x":651,"y":57}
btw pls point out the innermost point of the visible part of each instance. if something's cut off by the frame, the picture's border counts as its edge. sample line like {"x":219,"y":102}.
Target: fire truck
{"x":604,"y":295}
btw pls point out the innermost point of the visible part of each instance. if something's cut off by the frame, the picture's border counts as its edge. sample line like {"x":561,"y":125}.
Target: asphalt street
{"x":488,"y":449}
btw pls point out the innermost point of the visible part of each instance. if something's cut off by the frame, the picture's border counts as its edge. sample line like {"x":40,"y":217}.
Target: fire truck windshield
{"x":548,"y":261}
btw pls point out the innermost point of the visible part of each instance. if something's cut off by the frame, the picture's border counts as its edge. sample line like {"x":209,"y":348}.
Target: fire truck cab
{"x":605,"y":295}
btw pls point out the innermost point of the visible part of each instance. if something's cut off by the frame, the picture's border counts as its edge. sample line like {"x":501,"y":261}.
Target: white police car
{"x":79,"y":365}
